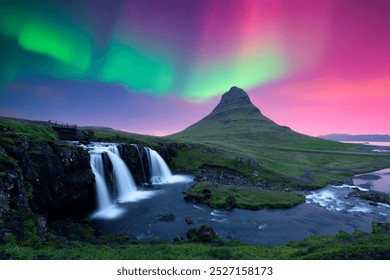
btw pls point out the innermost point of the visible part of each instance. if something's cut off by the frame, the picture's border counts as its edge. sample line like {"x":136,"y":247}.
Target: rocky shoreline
{"x":374,"y":196}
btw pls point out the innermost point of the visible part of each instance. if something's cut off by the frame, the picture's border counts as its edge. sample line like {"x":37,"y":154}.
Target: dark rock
{"x":190,"y":220}
{"x":41,"y":228}
{"x":178,"y":239}
{"x":53,"y":179}
{"x":167,"y":218}
{"x":230,"y":202}
{"x":62,"y":179}
{"x":203,"y":234}
{"x":374,"y":196}
{"x":230,"y":177}
{"x":12,"y":191}
{"x":190,"y":198}
{"x":137,"y":160}
{"x":206,"y":192}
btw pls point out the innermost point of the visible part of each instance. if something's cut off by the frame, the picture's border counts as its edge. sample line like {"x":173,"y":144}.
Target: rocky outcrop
{"x":12,"y":190}
{"x":137,"y":160}
{"x":374,"y":196}
{"x":203,"y":234}
{"x":51,"y":178}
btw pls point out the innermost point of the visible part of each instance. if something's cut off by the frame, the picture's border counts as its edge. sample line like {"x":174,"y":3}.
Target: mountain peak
{"x":236,"y":99}
{"x":235,"y":95}
{"x":235,"y":117}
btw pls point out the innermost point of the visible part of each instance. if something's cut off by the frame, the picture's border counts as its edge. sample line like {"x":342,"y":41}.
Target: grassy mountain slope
{"x":235,"y":119}
{"x":237,"y":136}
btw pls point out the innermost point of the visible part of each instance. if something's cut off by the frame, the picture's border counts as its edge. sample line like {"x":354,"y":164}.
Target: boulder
{"x":203,"y":234}
{"x":374,"y":196}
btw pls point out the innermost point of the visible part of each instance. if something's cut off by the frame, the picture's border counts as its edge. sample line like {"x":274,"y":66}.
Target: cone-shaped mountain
{"x":236,"y":118}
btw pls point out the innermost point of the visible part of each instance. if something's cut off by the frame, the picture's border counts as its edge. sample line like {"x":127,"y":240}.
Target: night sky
{"x":157,"y":66}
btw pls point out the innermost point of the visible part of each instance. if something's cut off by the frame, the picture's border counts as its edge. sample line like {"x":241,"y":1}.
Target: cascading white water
{"x":160,"y":172}
{"x":106,"y":209}
{"x":114,"y":149}
{"x":124,"y":182}
{"x":103,"y":197}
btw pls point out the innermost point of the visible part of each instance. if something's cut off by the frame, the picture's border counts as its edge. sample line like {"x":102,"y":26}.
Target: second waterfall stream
{"x":120,"y":187}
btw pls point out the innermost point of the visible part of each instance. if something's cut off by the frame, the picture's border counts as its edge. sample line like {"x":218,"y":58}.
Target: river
{"x":326,"y":211}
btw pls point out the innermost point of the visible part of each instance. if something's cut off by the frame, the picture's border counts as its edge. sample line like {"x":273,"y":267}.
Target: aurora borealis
{"x":157,"y":66}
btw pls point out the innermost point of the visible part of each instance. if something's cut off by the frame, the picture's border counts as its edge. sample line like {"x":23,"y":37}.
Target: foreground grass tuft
{"x":357,"y":245}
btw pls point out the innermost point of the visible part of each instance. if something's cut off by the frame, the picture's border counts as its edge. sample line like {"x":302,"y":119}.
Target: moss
{"x":31,"y":237}
{"x":1,"y":223}
{"x":28,"y":187}
{"x":35,"y":151}
{"x":8,"y":161}
{"x":8,"y":144}
{"x":10,"y":241}
{"x":223,"y":196}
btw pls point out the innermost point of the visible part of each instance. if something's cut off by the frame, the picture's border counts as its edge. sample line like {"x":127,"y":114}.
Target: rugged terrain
{"x":47,"y":187}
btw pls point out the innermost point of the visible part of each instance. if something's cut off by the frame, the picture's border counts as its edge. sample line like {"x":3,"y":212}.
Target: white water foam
{"x":351,"y":187}
{"x":217,"y":213}
{"x":110,"y":212}
{"x":360,"y":208}
{"x":326,"y":198}
{"x":123,"y":182}
{"x":220,"y":220}
{"x":199,"y":208}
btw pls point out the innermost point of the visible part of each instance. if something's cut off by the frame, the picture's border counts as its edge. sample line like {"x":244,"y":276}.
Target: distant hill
{"x":235,"y":118}
{"x":360,"y":137}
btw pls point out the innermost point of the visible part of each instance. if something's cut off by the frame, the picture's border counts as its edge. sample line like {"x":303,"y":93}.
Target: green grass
{"x":357,"y":245}
{"x":222,"y":196}
{"x":33,"y":131}
{"x":236,"y":130}
{"x":123,"y":137}
{"x":288,"y":167}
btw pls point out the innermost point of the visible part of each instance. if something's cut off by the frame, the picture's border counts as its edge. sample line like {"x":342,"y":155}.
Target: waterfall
{"x":106,"y":209}
{"x":103,"y":197}
{"x":159,"y":170}
{"x":142,"y":166}
{"x":123,"y":181}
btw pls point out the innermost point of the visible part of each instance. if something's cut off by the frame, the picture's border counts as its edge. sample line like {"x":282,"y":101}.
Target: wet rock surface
{"x":42,"y":180}
{"x":374,"y":196}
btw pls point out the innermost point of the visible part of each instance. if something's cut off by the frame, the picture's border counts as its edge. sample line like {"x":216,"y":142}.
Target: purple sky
{"x":156,"y":67}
